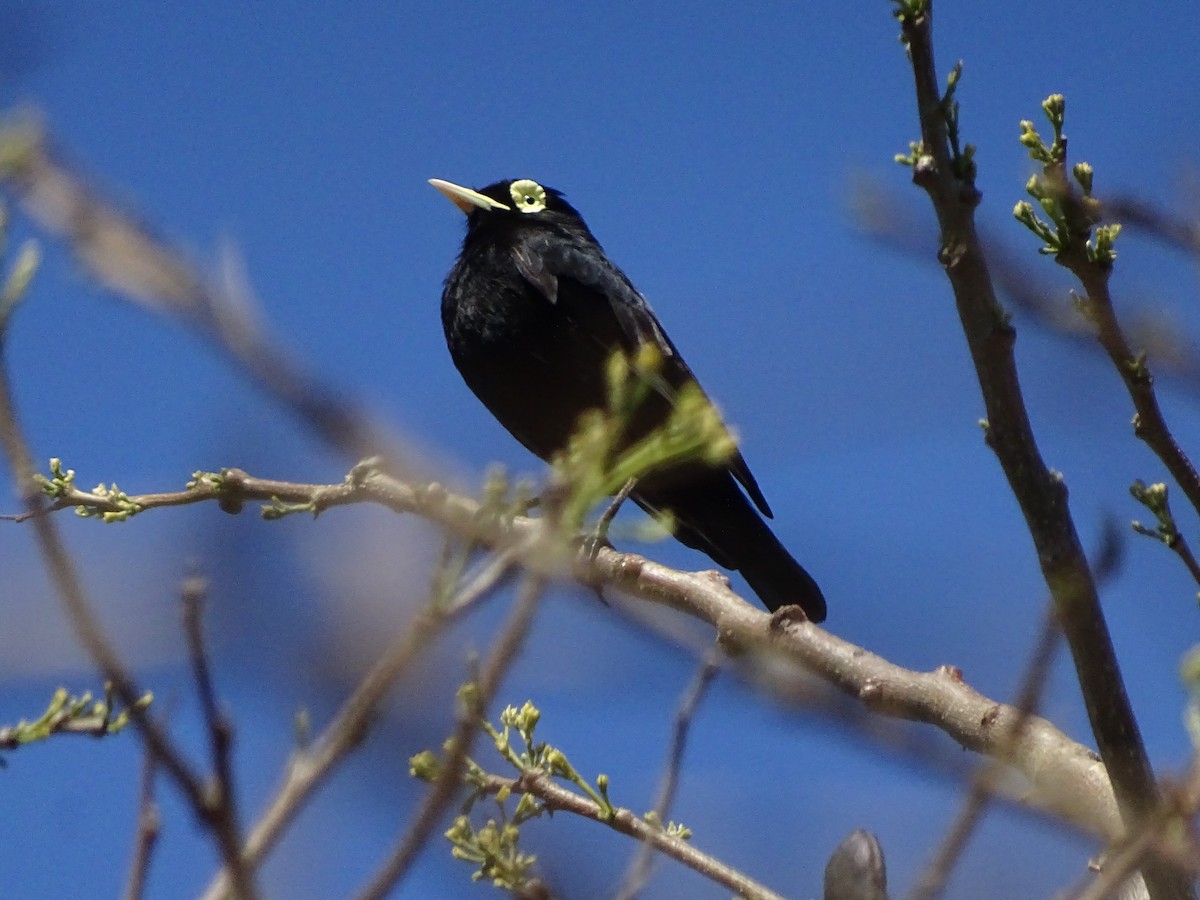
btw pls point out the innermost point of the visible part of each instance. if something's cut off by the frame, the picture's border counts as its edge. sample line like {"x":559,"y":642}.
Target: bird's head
{"x":511,"y":204}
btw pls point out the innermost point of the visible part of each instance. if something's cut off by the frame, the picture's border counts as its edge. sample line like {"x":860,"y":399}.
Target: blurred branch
{"x":639,"y":871}
{"x":64,"y":574}
{"x":946,"y":174}
{"x":149,"y":824}
{"x":311,"y":766}
{"x":932,"y":881}
{"x":139,"y":267}
{"x":986,"y":778}
{"x":474,"y":706}
{"x":221,"y":813}
{"x":888,"y":218}
{"x":1170,"y":228}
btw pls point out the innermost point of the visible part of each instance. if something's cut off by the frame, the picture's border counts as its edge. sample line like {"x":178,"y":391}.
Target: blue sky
{"x":717,"y":152}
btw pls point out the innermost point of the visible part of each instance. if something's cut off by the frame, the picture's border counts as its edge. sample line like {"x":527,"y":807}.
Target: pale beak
{"x":464,"y":198}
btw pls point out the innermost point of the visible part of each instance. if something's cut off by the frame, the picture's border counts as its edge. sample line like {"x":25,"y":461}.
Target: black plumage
{"x":532,"y":310}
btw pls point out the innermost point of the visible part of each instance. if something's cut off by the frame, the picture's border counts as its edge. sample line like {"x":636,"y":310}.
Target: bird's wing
{"x":544,"y":259}
{"x":547,"y":262}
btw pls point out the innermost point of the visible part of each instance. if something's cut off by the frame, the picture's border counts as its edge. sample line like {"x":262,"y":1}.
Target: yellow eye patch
{"x":528,"y":196}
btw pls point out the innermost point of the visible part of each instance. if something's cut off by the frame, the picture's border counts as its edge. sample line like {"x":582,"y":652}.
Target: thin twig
{"x":639,"y":871}
{"x":148,"y":827}
{"x":1149,"y":423}
{"x":558,"y":798}
{"x":222,"y":792}
{"x":1183,"y":550}
{"x":610,"y":512}
{"x":474,"y":707}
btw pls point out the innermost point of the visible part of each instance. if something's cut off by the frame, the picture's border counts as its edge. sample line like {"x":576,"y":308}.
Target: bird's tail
{"x":713,"y":516}
{"x":778,"y":579}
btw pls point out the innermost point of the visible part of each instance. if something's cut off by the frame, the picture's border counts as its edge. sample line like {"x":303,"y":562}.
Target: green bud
{"x":468,"y":695}
{"x":527,"y":806}
{"x":529,"y":717}
{"x":1055,"y":107}
{"x":557,"y":762}
{"x":460,"y":830}
{"x":675,"y":829}
{"x":426,"y":766}
{"x":508,"y":717}
{"x":1083,"y":174}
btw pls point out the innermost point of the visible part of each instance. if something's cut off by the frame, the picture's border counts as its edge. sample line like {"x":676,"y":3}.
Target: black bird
{"x":533,"y":309}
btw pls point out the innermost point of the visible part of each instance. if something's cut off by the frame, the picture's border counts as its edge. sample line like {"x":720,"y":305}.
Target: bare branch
{"x":639,"y":871}
{"x":221,"y":808}
{"x":946,"y":175}
{"x":1068,"y":780}
{"x":148,"y":827}
{"x":1149,"y":423}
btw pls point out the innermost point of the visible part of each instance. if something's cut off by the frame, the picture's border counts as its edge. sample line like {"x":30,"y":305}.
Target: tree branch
{"x":639,"y":871}
{"x":943,"y":172}
{"x":148,"y":827}
{"x":558,"y":798}
{"x":1066,"y":778}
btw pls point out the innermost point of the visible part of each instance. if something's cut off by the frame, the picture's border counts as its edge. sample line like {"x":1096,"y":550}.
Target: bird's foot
{"x":594,"y":541}
{"x":600,"y":532}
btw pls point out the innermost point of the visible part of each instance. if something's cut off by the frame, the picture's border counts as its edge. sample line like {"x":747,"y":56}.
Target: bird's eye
{"x":529,"y":196}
